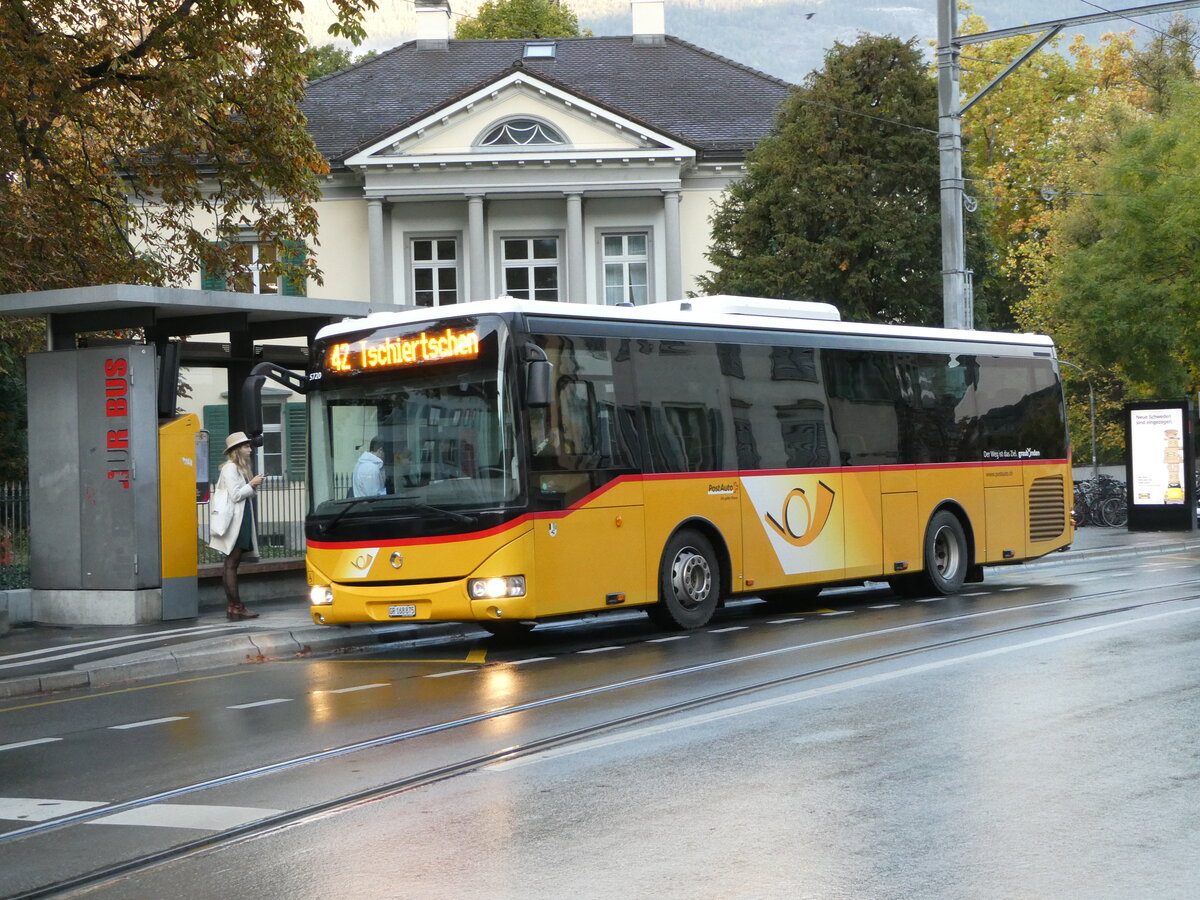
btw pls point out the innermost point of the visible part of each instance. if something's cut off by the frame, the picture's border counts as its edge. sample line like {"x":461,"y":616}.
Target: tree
{"x":840,"y":202}
{"x":187,"y":107}
{"x":521,"y":19}
{"x":1125,"y":289}
{"x":325,"y":59}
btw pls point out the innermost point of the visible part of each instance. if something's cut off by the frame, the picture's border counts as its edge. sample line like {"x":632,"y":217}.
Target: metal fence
{"x":14,"y":535}
{"x":280,"y":506}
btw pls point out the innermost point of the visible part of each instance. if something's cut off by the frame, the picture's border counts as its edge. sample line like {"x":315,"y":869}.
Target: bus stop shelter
{"x":112,"y":476}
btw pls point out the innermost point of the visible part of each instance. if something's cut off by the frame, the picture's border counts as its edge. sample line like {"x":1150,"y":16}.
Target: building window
{"x":530,"y":267}
{"x":257,"y":261}
{"x":521,"y":133}
{"x":626,"y":268}
{"x":435,"y":271}
{"x":270,"y":454}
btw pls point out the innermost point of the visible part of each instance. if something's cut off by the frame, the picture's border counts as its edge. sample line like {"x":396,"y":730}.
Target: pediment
{"x":453,"y":133}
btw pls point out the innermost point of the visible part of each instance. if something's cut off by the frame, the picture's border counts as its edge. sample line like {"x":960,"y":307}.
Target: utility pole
{"x":958,"y":307}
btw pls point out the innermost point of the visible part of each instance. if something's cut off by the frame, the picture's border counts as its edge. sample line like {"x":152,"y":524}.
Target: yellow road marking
{"x":129,"y":690}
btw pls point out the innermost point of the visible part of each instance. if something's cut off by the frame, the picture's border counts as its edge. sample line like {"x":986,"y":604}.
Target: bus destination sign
{"x":380,"y":353}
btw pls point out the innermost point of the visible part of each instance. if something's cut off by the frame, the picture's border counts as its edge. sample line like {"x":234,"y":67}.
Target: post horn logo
{"x":816,"y":517}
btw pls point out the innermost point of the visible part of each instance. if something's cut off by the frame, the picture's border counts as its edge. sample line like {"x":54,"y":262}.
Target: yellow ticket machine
{"x":178,"y":463}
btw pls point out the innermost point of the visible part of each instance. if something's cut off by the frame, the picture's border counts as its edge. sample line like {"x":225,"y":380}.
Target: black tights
{"x":229,"y":576}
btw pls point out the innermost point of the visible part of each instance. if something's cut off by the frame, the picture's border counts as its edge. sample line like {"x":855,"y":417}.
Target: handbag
{"x":220,"y":511}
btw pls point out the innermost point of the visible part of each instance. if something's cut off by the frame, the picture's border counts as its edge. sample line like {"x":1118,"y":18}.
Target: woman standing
{"x":231,"y":520}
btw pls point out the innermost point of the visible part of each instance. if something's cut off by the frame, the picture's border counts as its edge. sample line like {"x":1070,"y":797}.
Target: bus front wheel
{"x":689,"y":582}
{"x":946,"y":559}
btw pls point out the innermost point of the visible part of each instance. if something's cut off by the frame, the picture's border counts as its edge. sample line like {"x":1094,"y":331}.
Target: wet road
{"x":1033,"y":737}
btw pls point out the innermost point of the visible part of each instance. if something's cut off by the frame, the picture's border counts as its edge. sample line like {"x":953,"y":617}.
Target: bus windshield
{"x":418,"y":431}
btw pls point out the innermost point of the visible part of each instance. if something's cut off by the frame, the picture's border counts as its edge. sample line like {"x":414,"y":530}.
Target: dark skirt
{"x":245,"y":538}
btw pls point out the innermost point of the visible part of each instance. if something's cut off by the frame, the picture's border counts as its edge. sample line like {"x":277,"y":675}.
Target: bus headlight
{"x":496,"y":588}
{"x":320,"y":595}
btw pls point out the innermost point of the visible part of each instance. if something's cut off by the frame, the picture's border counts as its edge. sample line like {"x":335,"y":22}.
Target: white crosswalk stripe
{"x":186,"y":815}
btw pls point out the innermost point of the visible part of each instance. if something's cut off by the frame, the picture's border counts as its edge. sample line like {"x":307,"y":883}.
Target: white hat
{"x":236,"y":439}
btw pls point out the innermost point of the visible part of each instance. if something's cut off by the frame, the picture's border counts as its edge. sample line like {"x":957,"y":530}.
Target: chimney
{"x":433,"y":24}
{"x":649,"y":21}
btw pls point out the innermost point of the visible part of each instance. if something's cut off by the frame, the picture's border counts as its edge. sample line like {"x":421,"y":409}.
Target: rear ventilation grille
{"x":1047,"y":508}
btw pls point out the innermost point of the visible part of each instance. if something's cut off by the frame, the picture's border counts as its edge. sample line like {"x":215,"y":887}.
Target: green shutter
{"x":213,"y":280}
{"x":216,"y":423}
{"x":295,"y":437}
{"x":294,"y":254}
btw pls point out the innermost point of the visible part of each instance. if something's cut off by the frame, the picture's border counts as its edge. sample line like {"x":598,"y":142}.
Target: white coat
{"x":228,"y":503}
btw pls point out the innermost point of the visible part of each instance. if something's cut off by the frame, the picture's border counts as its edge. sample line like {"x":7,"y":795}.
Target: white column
{"x":379,"y":294}
{"x":477,"y":276}
{"x":673,"y":251}
{"x":576,"y":273}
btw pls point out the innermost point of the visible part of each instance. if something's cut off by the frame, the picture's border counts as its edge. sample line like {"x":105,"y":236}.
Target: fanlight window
{"x":521,"y":133}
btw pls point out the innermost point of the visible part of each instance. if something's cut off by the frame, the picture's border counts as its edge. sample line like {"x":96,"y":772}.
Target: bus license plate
{"x":406,"y":611}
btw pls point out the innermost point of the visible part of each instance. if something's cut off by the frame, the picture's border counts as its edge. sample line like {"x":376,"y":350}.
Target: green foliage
{"x":325,"y":59}
{"x":1126,"y":289}
{"x":521,"y":19}
{"x":161,"y":100}
{"x":840,"y":202}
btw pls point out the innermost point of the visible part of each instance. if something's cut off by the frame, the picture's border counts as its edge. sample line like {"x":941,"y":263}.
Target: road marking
{"x":928,"y":599}
{"x":451,"y":672}
{"x":670,"y":637}
{"x":730,"y":628}
{"x":1006,"y":590}
{"x":975,"y":594}
{"x":146,"y":722}
{"x":260,"y":703}
{"x":532,"y":659}
{"x":600,"y":649}
{"x":186,"y":815}
{"x":128,"y":690}
{"x":785,"y":621}
{"x":357,"y":687}
{"x":33,"y":743}
{"x":809,"y":693}
{"x":884,"y":606}
{"x":33,"y":809}
{"x":841,"y":612}
{"x":70,"y":651}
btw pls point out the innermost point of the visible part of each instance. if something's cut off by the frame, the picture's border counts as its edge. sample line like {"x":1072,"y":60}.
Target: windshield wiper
{"x":437,"y":510}
{"x":326,"y":527}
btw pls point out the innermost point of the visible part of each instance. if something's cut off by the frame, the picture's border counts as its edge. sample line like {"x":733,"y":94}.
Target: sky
{"x":784,"y":38}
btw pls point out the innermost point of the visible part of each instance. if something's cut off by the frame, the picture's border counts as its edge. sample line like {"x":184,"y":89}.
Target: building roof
{"x":696,"y":96}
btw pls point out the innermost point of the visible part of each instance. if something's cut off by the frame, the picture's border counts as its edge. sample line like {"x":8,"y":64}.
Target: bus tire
{"x":946,"y":555}
{"x":689,"y":583}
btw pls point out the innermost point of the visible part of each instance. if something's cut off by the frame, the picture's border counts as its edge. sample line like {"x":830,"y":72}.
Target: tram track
{"x":336,"y":805}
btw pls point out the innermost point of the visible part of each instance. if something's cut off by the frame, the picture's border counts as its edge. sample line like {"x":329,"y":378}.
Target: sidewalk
{"x":36,"y":659}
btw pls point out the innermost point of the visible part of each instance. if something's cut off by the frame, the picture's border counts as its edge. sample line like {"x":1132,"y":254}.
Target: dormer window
{"x":521,"y":133}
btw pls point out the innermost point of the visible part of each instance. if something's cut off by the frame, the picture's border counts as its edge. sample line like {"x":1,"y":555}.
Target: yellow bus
{"x":511,"y":461}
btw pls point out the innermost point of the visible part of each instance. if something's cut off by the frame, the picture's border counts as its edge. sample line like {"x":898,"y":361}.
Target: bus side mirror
{"x":537,"y":384}
{"x":252,"y":407}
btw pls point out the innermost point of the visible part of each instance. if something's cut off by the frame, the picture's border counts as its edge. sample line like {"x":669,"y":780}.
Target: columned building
{"x":578,"y":170}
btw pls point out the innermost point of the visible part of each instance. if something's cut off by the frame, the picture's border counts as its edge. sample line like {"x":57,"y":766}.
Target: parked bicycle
{"x":1100,"y":501}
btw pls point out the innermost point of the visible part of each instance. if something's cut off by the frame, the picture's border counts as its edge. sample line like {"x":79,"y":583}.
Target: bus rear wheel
{"x":946,"y":559}
{"x":689,"y":582}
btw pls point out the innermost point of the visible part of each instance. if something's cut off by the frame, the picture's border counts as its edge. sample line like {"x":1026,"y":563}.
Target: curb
{"x":232,"y":650}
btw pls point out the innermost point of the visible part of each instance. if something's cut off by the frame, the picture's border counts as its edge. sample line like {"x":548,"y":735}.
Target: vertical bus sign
{"x":1160,"y":466}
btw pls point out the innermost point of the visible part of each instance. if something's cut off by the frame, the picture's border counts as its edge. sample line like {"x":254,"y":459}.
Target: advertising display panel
{"x":1160,"y":466}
